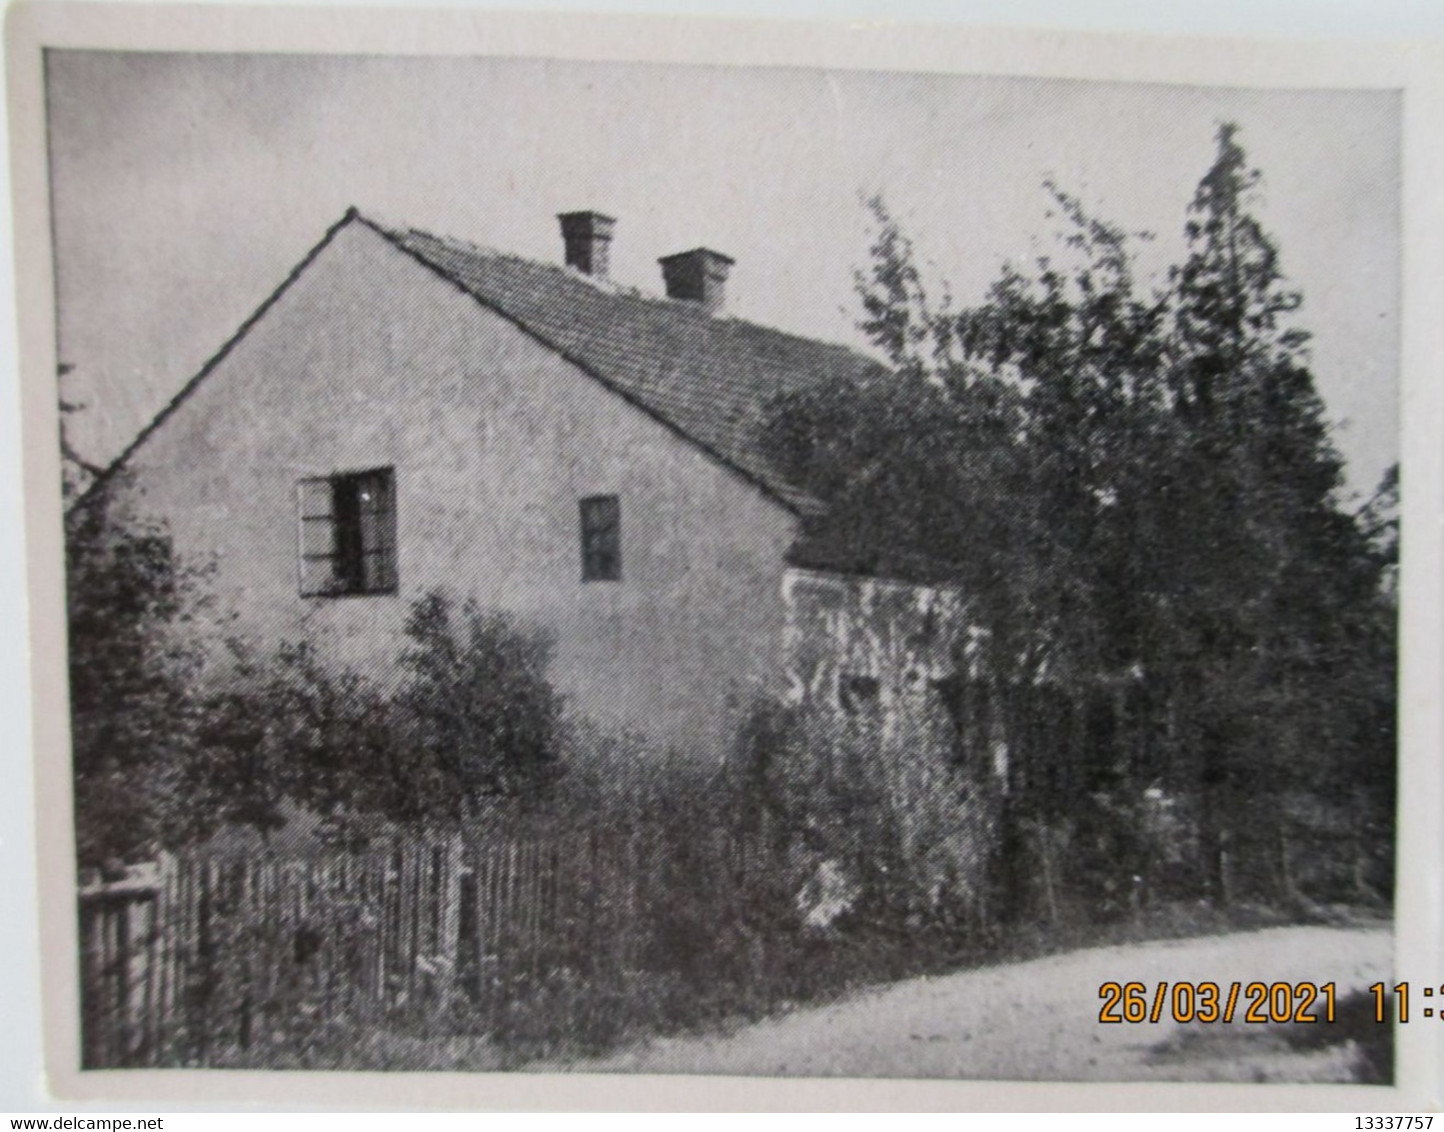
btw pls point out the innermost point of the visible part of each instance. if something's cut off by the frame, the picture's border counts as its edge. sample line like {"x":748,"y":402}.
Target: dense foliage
{"x":179,"y":733}
{"x":132,"y":672}
{"x":1138,"y":493}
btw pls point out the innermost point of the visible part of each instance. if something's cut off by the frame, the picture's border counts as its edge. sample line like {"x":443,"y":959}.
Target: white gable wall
{"x":371,"y":360}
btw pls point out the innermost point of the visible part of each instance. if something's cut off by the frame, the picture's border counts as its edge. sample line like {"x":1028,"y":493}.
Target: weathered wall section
{"x":891,"y":649}
{"x":840,"y":626}
{"x":893,"y":668}
{"x":370,"y":360}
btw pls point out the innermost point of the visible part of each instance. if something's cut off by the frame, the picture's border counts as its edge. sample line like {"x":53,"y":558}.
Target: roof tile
{"x":710,"y":377}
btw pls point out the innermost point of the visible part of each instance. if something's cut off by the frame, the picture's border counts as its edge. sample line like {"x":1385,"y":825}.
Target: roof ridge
{"x":401,"y":229}
{"x":700,"y":376}
{"x":786,"y":496}
{"x":609,"y":286}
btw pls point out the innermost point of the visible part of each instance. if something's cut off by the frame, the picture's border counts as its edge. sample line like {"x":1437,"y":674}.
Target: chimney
{"x":698,"y":276}
{"x":588,"y":236}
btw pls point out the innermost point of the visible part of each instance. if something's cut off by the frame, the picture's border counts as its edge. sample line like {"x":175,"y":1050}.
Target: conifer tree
{"x":1263,"y":574}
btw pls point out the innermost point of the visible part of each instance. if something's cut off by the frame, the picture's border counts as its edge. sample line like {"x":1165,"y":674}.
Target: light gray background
{"x":185,"y":187}
{"x":20,"y":1063}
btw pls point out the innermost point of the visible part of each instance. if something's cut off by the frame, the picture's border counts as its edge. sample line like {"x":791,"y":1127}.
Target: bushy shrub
{"x":474,"y":709}
{"x":324,"y":739}
{"x":471,"y":722}
{"x":878,"y":808}
{"x":132,"y":678}
{"x":472,"y":718}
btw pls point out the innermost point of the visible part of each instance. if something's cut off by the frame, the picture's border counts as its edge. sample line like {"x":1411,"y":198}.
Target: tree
{"x":132,"y":675}
{"x":1270,"y":588}
{"x":999,"y":454}
{"x":470,"y":720}
{"x":171,"y":744}
{"x":167,"y":746}
{"x":475,"y":715}
{"x":1379,"y":521}
{"x":335,"y":736}
{"x":163,"y":754}
{"x":1139,"y":495}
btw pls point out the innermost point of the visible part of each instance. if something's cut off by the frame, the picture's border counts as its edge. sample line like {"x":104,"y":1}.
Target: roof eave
{"x":795,"y":503}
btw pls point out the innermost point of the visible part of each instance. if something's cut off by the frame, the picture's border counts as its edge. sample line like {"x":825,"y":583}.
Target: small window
{"x":602,"y":539}
{"x":348,"y":534}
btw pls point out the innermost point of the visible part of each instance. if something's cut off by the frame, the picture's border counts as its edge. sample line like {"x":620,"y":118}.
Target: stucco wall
{"x":370,"y":360}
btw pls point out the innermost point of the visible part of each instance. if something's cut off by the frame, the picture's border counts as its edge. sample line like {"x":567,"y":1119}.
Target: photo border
{"x":1416,"y":70}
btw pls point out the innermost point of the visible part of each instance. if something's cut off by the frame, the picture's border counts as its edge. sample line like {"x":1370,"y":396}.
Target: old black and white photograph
{"x":595,"y":566}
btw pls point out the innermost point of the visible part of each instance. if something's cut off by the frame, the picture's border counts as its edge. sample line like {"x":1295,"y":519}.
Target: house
{"x":407,"y":412}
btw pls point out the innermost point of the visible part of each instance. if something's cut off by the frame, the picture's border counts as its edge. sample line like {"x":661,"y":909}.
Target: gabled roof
{"x":708,"y":378}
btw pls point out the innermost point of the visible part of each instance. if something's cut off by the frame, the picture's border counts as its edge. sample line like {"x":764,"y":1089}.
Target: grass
{"x":564,"y":1019}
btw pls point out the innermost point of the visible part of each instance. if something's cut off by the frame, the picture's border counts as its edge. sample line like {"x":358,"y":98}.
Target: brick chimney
{"x":698,"y":276}
{"x":588,"y":237}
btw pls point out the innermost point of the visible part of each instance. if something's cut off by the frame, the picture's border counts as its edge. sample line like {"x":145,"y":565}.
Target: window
{"x":602,"y":539}
{"x":348,"y":534}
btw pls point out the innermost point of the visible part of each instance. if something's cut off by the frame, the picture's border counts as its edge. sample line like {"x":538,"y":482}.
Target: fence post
{"x":447,"y":946}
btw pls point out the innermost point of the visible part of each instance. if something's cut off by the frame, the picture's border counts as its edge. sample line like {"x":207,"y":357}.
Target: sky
{"x":185,"y":187}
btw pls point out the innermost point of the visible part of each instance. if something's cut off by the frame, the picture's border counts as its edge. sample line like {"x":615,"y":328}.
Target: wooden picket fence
{"x":202,"y":958}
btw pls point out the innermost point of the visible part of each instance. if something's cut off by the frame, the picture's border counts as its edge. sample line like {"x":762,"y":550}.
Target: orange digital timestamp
{"x":1256,"y":1002}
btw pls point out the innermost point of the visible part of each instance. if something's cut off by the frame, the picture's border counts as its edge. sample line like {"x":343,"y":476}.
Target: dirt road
{"x":1038,"y":1020}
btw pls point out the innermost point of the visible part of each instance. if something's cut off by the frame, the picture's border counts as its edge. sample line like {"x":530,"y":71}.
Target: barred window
{"x":348,"y":533}
{"x":601,"y":539}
